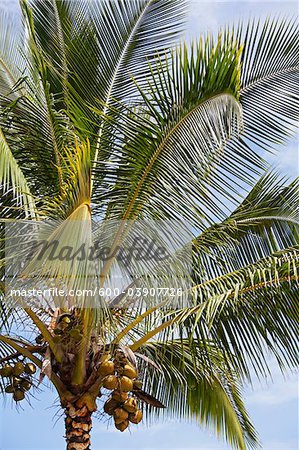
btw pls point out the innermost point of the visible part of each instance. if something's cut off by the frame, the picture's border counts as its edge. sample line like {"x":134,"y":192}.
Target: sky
{"x":273,"y":406}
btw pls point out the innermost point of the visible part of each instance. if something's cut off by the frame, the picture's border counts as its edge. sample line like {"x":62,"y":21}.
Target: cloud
{"x":281,"y":390}
{"x":278,"y":393}
{"x":202,"y":17}
{"x":287,"y":159}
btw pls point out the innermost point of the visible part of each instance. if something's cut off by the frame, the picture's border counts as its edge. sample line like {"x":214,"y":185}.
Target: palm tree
{"x":103,"y":119}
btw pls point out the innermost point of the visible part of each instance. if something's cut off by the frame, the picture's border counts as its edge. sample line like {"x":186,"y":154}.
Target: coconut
{"x":126,"y":384}
{"x":117,"y":420}
{"x":58,"y":331}
{"x":18,"y":369}
{"x":16,"y":381}
{"x":120,"y":357}
{"x":130,"y":405}
{"x":119,"y":396}
{"x":122,"y":426}
{"x":75,"y":334}
{"x":136,"y":417}
{"x":110,"y":382}
{"x":129,"y":371}
{"x":120,"y":415}
{"x":66,"y":320}
{"x":110,"y":405}
{"x":6,"y":371}
{"x":9,"y":389}
{"x":105,"y":357}
{"x":30,"y":368}
{"x":18,"y":395}
{"x":107,"y":368}
{"x":39,"y":339}
{"x":25,"y":384}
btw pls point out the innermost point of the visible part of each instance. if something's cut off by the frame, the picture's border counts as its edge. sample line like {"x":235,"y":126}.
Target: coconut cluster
{"x":20,"y":378}
{"x":119,"y":377}
{"x":67,"y":327}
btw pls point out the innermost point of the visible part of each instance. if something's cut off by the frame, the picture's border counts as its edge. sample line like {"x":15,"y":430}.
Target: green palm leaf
{"x":175,"y":159}
{"x":12,"y":63}
{"x":246,"y":312}
{"x":266,"y":221}
{"x":251,"y":309}
{"x":13,"y":180}
{"x":270,"y":66}
{"x":196,"y":381}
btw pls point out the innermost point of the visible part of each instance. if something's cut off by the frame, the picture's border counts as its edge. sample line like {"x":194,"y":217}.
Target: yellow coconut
{"x":129,"y":371}
{"x":58,"y":332}
{"x":120,"y":396}
{"x":66,"y":320}
{"x":107,"y":368}
{"x":118,"y":420}
{"x":136,"y":417}
{"x":16,"y":381}
{"x":9,"y":389}
{"x":110,"y":405}
{"x":18,"y":369}
{"x":76,"y":334}
{"x":110,"y":382}
{"x":25,"y":384}
{"x":126,"y":384}
{"x":105,"y":357}
{"x":130,"y":405}
{"x":120,"y":415}
{"x":122,"y":426}
{"x":18,"y":395}
{"x":6,"y":371}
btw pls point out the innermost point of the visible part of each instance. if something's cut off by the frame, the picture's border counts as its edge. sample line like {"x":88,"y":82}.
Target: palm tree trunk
{"x":77,"y":426}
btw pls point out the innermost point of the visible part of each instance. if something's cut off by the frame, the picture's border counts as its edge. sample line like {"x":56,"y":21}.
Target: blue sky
{"x":273,"y":406}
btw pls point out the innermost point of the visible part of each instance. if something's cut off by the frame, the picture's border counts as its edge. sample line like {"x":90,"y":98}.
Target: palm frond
{"x":62,"y":36}
{"x":5,"y":351}
{"x":12,"y":178}
{"x":146,"y":179}
{"x":252,"y":310}
{"x":42,"y":134}
{"x":117,"y":36}
{"x":136,"y":32}
{"x":270,"y":69}
{"x":129,"y":34}
{"x":248,"y":312}
{"x":11,"y":62}
{"x":209,"y":170}
{"x":41,"y":104}
{"x":266,"y":221}
{"x":198,"y":386}
{"x":76,"y":182}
